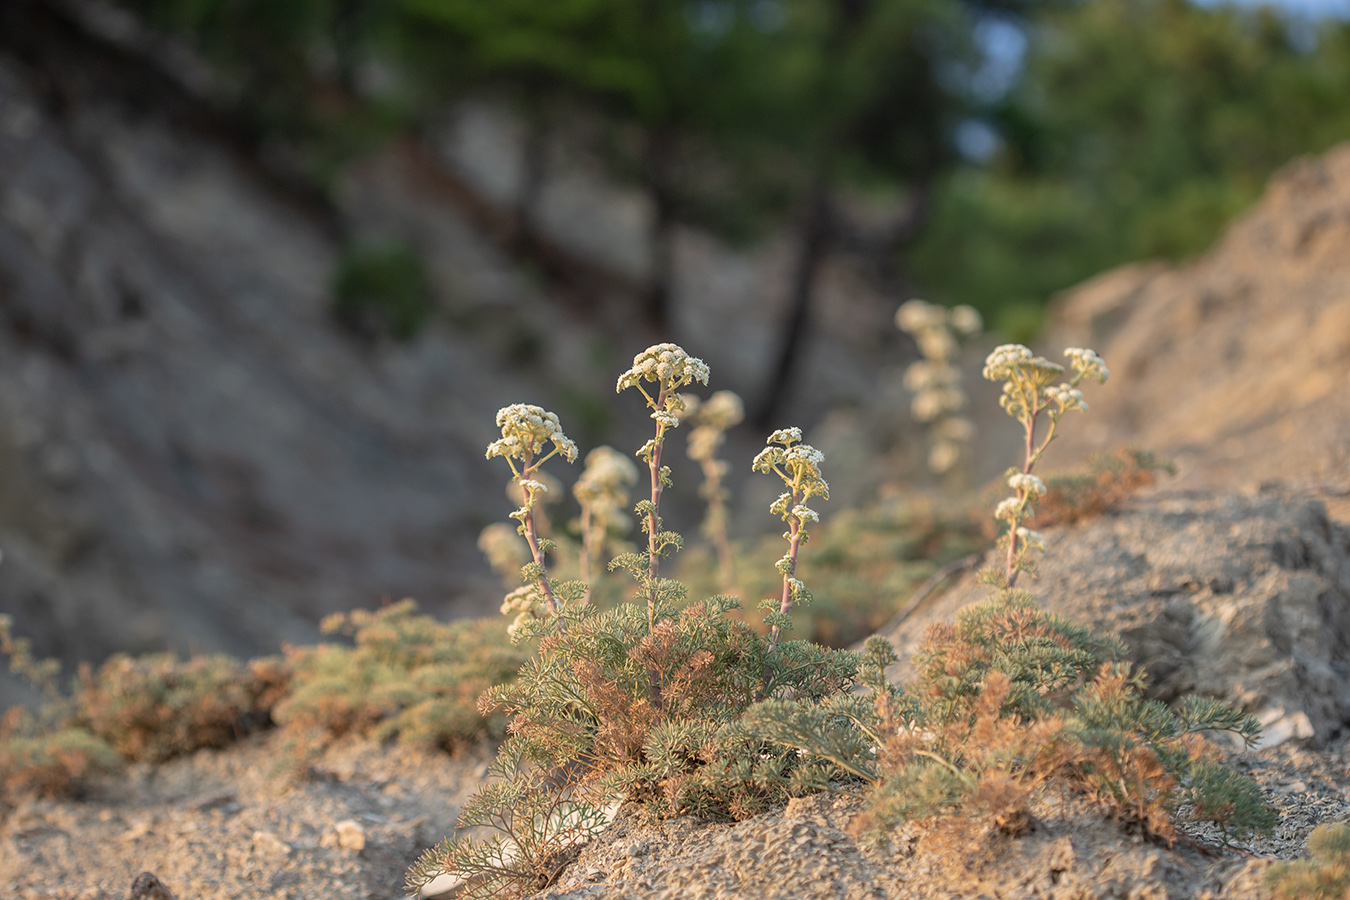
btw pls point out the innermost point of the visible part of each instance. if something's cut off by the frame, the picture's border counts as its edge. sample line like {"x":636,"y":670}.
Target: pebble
{"x":351,"y":836}
{"x":268,"y":842}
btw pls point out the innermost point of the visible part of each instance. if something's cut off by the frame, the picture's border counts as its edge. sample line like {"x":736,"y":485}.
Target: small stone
{"x":147,"y":886}
{"x":351,"y":836}
{"x":268,"y":842}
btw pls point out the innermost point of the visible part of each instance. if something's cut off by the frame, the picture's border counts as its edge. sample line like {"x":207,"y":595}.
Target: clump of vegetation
{"x":148,"y":708}
{"x":1324,"y":874}
{"x":1109,"y":479}
{"x":157,"y":707}
{"x":636,"y":702}
{"x":382,"y":289}
{"x":49,"y":762}
{"x":406,"y":677}
{"x":1011,"y":698}
{"x":682,"y":708}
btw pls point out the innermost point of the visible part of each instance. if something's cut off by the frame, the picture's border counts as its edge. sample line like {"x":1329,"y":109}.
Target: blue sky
{"x":1319,"y":9}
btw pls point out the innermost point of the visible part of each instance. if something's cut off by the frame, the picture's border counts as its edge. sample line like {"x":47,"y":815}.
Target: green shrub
{"x":684,"y":709}
{"x":382,"y":289}
{"x":407,"y":677}
{"x":146,"y":708}
{"x":1011,"y":697}
{"x":635,"y":702}
{"x":157,"y":707}
{"x":50,"y":763}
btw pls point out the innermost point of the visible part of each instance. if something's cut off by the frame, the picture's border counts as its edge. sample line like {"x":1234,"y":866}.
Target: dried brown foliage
{"x":48,"y":763}
{"x":156,"y":707}
{"x":1011,"y":701}
{"x":1109,"y":479}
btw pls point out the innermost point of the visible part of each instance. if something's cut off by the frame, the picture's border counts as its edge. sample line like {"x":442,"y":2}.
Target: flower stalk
{"x":711,"y":420}
{"x":669,"y":368}
{"x":798,"y":465}
{"x":1032,"y":388}
{"x":526,"y":432}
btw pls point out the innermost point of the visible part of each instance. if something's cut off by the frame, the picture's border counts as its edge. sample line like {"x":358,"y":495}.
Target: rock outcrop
{"x":1242,"y":597}
{"x":1236,"y":364}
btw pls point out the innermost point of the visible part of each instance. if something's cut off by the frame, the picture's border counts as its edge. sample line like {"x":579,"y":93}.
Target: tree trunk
{"x":815,"y":245}
{"x":533,"y":171}
{"x":661,"y":233}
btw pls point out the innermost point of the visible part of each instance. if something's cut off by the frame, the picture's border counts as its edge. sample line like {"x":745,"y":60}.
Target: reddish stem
{"x":531,"y":538}
{"x":654,"y":519}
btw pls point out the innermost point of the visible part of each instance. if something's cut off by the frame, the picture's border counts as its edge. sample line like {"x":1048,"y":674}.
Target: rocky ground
{"x":238,"y":824}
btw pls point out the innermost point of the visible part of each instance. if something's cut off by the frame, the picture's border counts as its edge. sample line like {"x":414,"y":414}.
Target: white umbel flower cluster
{"x":1088,"y":364}
{"x":797,"y":464}
{"x":608,"y":472}
{"x":665,"y":364}
{"x":1027,"y":484}
{"x":602,"y":492}
{"x":1004,"y":360}
{"x":526,"y":603}
{"x":723,"y":410}
{"x":505,"y":551}
{"x":525,"y":431}
{"x":1066,"y":398}
{"x":1007,"y":509}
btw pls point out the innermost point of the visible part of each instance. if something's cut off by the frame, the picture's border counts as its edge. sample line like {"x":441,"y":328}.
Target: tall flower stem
{"x":654,"y":514}
{"x":717,"y":523}
{"x":794,"y":547}
{"x":525,"y":479}
{"x":526,"y":430}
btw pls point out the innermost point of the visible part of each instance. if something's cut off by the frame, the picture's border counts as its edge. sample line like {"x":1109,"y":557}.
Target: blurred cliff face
{"x":192,"y":449}
{"x":253,"y":332}
{"x":196,"y":452}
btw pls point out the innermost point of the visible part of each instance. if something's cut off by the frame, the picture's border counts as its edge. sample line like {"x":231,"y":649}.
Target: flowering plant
{"x":1034,"y":387}
{"x":935,"y":380}
{"x":526,"y":433}
{"x":798,"y":465}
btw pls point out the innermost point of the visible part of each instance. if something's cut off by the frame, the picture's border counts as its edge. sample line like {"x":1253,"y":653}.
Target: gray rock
{"x":1245,"y":598}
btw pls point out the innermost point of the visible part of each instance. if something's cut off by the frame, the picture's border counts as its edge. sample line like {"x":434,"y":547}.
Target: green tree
{"x":1138,"y":129}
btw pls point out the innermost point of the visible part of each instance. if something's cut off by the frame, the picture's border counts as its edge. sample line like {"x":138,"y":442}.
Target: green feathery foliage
{"x":407,"y":677}
{"x":1010,"y":696}
{"x":538,"y":830}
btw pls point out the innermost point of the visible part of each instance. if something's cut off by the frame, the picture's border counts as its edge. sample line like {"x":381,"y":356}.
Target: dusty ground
{"x":227,"y":824}
{"x":238,"y":823}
